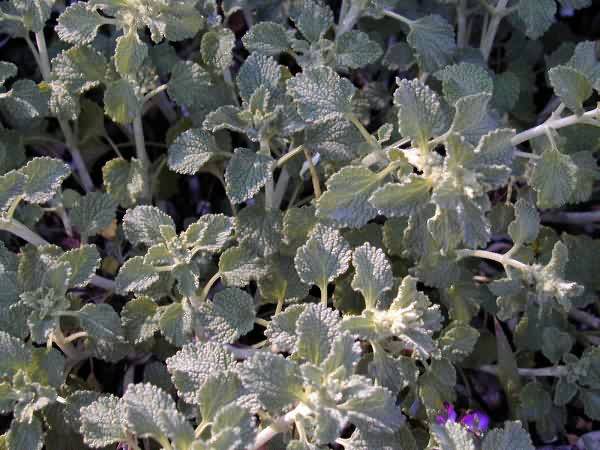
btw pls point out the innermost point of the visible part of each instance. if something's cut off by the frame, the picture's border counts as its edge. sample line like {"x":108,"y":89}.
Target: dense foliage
{"x":254,"y":224}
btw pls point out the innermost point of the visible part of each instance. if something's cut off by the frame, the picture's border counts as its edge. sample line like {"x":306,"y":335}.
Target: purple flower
{"x":476,"y":421}
{"x":448,"y":414}
{"x":122,"y":446}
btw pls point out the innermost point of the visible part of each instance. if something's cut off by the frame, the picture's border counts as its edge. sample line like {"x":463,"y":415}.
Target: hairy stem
{"x":554,"y":124}
{"x":280,"y":425}
{"x":492,"y":29}
{"x":502,"y":259}
{"x":80,"y":167}
{"x":142,"y":156}
{"x":572,"y":218}
{"x":556,"y":371}
{"x":314,"y":175}
{"x":15,"y":227}
{"x":289,"y":155}
{"x":461,"y":20}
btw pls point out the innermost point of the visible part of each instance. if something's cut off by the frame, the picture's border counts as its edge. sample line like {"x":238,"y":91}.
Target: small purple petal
{"x":449,"y":414}
{"x":476,"y":421}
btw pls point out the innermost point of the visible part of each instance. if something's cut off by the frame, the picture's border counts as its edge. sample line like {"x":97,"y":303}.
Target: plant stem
{"x":75,"y":336}
{"x":585,"y":318}
{"x":492,"y":29}
{"x":556,"y":371}
{"x":572,"y":218}
{"x":280,"y":425}
{"x":208,"y":286}
{"x":323,"y":289}
{"x":80,"y":167}
{"x":346,"y":23}
{"x":289,"y":155}
{"x":15,"y":227}
{"x":261,"y":322}
{"x":502,"y":259}
{"x":65,"y":346}
{"x":554,"y":124}
{"x":526,"y":155}
{"x":398,"y":17}
{"x":142,"y":156}
{"x":154,"y":92}
{"x":461,"y":19}
{"x":314,"y":175}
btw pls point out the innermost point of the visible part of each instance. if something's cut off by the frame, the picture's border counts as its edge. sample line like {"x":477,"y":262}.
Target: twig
{"x":556,"y":371}
{"x":280,"y":425}
{"x":554,"y":124}
{"x":15,"y":227}
{"x":314,"y":175}
{"x":80,"y":167}
{"x":142,"y":155}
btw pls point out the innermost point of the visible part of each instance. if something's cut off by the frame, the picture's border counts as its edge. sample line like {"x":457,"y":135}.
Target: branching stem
{"x":502,"y":259}
{"x":142,"y":155}
{"x":15,"y":227}
{"x":556,"y":371}
{"x":78,"y":162}
{"x":280,"y":425}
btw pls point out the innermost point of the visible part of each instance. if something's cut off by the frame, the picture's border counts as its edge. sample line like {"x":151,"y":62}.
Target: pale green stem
{"x":208,"y":286}
{"x":461,"y":19}
{"x":347,"y":22}
{"x":66,"y":347}
{"x":154,"y":92}
{"x":261,"y":322}
{"x":15,"y":227}
{"x":521,"y":154}
{"x":502,"y":259}
{"x":398,"y":17}
{"x":314,"y":175}
{"x":324,"y":298}
{"x":280,"y":425}
{"x":497,"y":16}
{"x":75,"y":336}
{"x":80,"y":167}
{"x":289,"y":155}
{"x":554,"y":124}
{"x":142,"y":156}
{"x":363,"y":131}
{"x":556,"y":371}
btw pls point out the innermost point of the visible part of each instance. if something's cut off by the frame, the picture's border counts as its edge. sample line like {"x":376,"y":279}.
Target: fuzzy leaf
{"x":83,"y":262}
{"x":124,"y":180}
{"x":345,"y":203}
{"x":142,"y":225}
{"x":354,"y":49}
{"x":432,"y":38}
{"x":324,"y":257}
{"x":191,"y":150}
{"x":121,"y":103}
{"x":193,"y":365}
{"x":321,"y":94}
{"x":93,"y":212}
{"x":103,"y":422}
{"x":246,"y":173}
{"x":419,"y":110}
{"x":372,"y":273}
{"x":538,"y":16}
{"x":268,"y":38}
{"x":316,"y":328}
{"x":553,"y":178}
{"x":571,"y":86}
{"x":130,"y":53}
{"x":44,"y":177}
{"x":78,"y":24}
{"x":228,"y":316}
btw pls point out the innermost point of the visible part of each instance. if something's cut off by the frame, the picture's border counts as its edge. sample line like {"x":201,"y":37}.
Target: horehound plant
{"x":361,"y":224}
